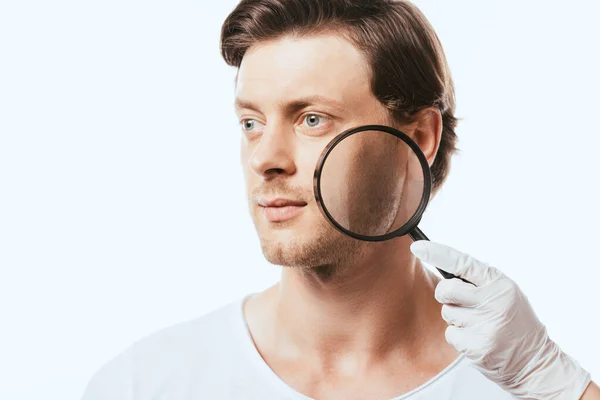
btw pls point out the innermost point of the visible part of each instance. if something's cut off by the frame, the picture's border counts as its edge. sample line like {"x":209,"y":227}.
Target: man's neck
{"x":382,"y":308}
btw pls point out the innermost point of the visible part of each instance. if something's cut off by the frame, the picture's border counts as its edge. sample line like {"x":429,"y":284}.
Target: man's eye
{"x":250,"y":124}
{"x":313,"y":120}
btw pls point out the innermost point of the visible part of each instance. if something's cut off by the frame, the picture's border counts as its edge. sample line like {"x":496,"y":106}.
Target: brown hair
{"x":409,"y":68}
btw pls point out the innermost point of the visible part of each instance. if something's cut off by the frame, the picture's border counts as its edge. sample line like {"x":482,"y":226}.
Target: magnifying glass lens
{"x":372,"y":183}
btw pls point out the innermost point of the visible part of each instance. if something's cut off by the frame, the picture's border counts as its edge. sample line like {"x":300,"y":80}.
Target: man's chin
{"x":307,"y":252}
{"x":285,"y":253}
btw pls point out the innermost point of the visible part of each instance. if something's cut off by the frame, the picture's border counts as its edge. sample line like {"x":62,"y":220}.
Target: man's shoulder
{"x":168,"y":357}
{"x":199,"y":334}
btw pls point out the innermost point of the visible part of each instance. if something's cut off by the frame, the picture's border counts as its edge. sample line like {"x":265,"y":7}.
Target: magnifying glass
{"x":373,"y":183}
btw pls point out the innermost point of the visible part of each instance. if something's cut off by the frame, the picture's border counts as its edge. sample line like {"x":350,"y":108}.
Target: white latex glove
{"x":493,"y":323}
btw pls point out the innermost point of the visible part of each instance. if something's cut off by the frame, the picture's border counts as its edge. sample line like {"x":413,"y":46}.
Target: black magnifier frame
{"x":410,"y":227}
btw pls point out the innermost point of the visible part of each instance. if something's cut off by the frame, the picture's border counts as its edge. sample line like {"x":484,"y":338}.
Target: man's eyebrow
{"x":241,"y":103}
{"x":293,"y":105}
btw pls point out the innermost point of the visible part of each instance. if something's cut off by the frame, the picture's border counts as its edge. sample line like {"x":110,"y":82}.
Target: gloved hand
{"x":492,"y":322}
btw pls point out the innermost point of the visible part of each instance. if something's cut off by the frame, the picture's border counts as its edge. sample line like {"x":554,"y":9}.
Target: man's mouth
{"x":280,"y":209}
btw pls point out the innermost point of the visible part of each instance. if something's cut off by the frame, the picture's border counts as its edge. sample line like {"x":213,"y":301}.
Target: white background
{"x":122,"y":205}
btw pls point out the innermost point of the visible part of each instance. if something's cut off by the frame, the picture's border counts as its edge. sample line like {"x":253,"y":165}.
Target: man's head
{"x":310,"y":69}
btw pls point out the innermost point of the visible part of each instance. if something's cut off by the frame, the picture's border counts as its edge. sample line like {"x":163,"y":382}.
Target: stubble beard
{"x":323,"y":252}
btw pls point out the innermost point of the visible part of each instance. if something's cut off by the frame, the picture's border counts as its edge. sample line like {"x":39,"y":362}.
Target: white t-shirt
{"x":214,"y":358}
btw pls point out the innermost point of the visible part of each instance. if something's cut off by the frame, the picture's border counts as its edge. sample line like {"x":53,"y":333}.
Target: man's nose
{"x":274,"y":154}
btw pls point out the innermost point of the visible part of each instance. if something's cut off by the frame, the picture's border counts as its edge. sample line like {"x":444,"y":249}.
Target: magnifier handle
{"x":417,"y":234}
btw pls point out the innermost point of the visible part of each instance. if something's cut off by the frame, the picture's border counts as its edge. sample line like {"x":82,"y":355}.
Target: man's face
{"x":293,"y":95}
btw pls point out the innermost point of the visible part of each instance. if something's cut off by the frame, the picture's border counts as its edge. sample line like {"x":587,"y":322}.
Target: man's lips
{"x":278,"y":210}
{"x":280,"y":202}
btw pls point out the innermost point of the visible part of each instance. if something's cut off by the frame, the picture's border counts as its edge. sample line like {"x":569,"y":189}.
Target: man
{"x":349,"y":319}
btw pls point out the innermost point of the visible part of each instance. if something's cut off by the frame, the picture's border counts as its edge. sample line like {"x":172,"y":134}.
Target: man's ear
{"x":428,"y":131}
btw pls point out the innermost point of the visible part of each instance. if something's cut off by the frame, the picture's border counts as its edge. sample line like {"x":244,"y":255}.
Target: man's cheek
{"x":244,"y":155}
